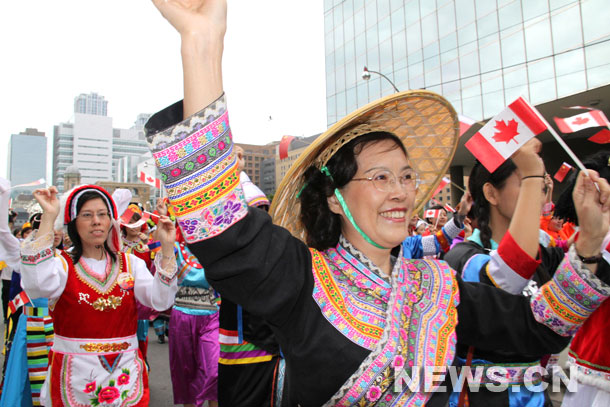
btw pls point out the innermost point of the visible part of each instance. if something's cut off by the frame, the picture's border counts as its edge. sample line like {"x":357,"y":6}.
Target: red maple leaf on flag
{"x":506,"y":131}
{"x":580,"y":120}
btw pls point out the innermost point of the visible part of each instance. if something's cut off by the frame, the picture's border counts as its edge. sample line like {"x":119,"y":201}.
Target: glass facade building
{"x":479,"y":54}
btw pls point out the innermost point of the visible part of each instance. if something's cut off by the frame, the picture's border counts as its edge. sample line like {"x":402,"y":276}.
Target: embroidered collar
{"x":345,"y":244}
{"x":90,"y":278}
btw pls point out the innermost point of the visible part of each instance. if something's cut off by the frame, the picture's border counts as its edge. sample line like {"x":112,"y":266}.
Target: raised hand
{"x":166,"y":233}
{"x":527,"y":159}
{"x":465,"y":204}
{"x":202,"y":25}
{"x":48,"y":201}
{"x":191,"y":17}
{"x":160,"y":207}
{"x":593,"y":211}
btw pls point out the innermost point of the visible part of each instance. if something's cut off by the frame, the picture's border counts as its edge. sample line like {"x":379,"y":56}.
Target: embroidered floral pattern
{"x":212,"y":220}
{"x":89,"y":387}
{"x":419,"y":330}
{"x":35,"y":259}
{"x":109,"y":393}
{"x":565,"y":302}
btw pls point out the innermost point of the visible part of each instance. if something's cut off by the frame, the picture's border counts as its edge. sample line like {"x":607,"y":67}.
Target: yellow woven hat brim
{"x":424,"y":121}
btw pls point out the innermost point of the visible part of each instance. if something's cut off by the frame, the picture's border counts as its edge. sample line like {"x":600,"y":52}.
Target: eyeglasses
{"x":88,"y":216}
{"x":385,"y":180}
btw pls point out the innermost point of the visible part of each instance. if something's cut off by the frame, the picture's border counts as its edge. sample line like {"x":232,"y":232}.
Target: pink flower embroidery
{"x":373,"y":394}
{"x":388,"y":397}
{"x":108,"y":394}
{"x":123,"y":379}
{"x":175,"y":172}
{"x":201,"y":159}
{"x":221,"y":145}
{"x":399,"y":362}
{"x":89,"y":387}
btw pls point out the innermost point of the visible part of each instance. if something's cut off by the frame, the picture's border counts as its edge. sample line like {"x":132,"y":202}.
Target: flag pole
{"x":458,"y":187}
{"x":560,"y":141}
{"x":563,"y":144}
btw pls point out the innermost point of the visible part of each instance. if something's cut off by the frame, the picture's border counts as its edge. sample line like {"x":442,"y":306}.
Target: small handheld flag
{"x":495,"y":142}
{"x":562,"y":172}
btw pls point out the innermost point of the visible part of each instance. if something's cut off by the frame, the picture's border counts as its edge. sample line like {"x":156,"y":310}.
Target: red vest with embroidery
{"x":89,"y":308}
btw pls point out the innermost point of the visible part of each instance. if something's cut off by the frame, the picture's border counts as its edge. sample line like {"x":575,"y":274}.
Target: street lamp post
{"x":366,"y":75}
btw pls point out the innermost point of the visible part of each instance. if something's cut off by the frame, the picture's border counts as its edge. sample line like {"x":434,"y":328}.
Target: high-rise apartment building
{"x":91,"y":145}
{"x":27,"y":157}
{"x":91,"y":103}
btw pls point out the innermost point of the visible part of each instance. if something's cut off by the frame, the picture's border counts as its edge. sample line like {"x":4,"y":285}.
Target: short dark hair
{"x":322,"y":226}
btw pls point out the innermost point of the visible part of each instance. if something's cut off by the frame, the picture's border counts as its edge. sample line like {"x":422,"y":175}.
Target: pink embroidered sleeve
{"x":199,"y":169}
{"x":564,"y":303}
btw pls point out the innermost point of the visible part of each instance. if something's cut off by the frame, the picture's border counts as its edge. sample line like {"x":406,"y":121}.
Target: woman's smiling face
{"x":382,"y":216}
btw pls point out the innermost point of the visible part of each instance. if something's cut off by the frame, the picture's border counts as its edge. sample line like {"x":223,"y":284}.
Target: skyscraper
{"x":92,"y":146}
{"x":27,"y":157}
{"x":91,"y":103}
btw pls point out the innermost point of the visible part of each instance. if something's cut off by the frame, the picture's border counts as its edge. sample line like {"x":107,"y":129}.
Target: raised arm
{"x":202,"y":25}
{"x":43,"y":274}
{"x":9,"y":244}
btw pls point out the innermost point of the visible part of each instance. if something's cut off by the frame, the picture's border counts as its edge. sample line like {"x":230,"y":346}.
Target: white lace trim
{"x":365,"y":260}
{"x":35,"y":244}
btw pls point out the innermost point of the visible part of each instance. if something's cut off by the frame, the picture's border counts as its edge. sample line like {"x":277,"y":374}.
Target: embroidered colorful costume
{"x":342,"y":327}
{"x":145,"y":314}
{"x":95,"y":357}
{"x":590,"y":355}
{"x":26,"y":359}
{"x":193,"y":334}
{"x":508,"y":267}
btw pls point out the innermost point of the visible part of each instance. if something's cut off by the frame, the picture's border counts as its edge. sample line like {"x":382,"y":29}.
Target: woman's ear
{"x":334,"y":205}
{"x":490,"y":193}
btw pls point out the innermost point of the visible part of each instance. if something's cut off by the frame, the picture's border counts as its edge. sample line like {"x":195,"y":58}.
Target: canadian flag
{"x":150,"y":180}
{"x":19,"y":300}
{"x":495,"y":142}
{"x":442,"y":185}
{"x":562,"y":172}
{"x":447,"y":207}
{"x":432,"y":213}
{"x":601,"y":137}
{"x":593,"y":118}
{"x":465,"y":124}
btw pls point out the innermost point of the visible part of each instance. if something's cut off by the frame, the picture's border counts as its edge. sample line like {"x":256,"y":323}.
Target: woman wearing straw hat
{"x":349,"y":313}
{"x":92,"y":297}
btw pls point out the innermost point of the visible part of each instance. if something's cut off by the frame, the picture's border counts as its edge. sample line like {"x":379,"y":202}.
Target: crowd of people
{"x":322,"y":296}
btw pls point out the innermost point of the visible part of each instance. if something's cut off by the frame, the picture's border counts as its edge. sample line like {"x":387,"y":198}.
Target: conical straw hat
{"x":424,"y":121}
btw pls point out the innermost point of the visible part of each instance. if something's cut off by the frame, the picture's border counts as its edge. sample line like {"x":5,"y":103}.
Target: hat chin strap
{"x":353,"y":222}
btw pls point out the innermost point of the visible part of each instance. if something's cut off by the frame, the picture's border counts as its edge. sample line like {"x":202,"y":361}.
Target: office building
{"x":479,"y":54}
{"x":94,"y":148}
{"x":254,"y":155}
{"x":91,"y":103}
{"x":27,"y":157}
